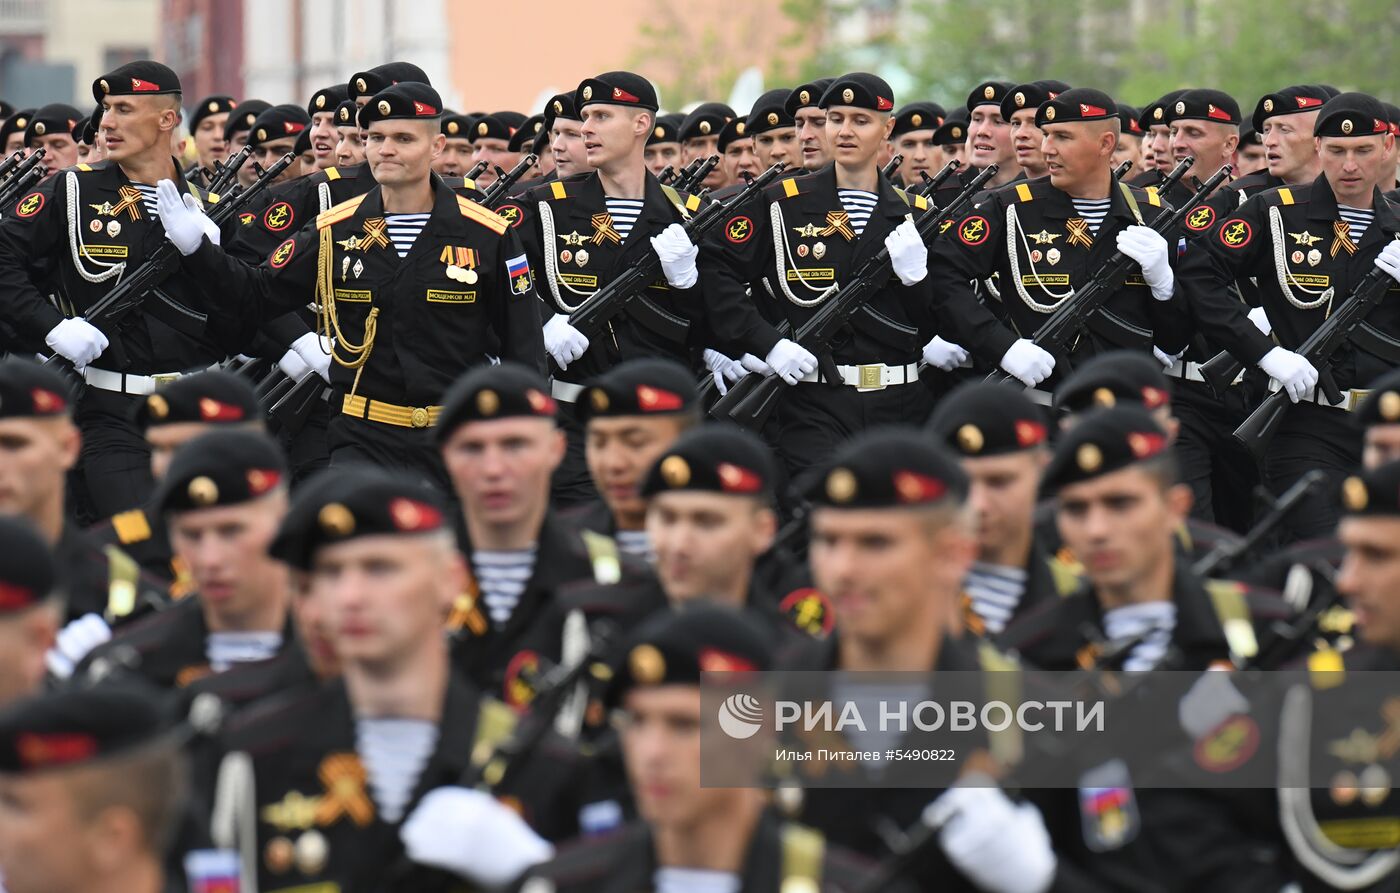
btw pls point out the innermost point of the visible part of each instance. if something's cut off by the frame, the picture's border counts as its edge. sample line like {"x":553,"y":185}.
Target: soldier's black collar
{"x":1056,"y":203}
{"x":444,"y":208}
{"x":1322,"y":205}
{"x":889,"y":203}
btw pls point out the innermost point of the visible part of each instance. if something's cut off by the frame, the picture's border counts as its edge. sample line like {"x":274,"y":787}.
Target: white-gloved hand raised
{"x":908,"y":253}
{"x":1292,"y":371}
{"x":184,"y":222}
{"x":563,"y":342}
{"x":1027,"y":362}
{"x":473,"y":835}
{"x":677,"y":255}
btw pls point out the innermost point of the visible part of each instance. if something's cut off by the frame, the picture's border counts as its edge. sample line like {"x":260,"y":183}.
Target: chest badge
{"x":819,"y":250}
{"x":95,"y":225}
{"x":810,"y":231}
{"x":1052,"y":256}
{"x":376,"y":235}
{"x":1314,"y":257}
{"x":1079,"y":232}
{"x":603,"y":230}
{"x":839,"y":222}
{"x":573,"y":239}
{"x":1044,"y":237}
{"x":104,"y":209}
{"x":113,"y":228}
{"x":1305,"y":239}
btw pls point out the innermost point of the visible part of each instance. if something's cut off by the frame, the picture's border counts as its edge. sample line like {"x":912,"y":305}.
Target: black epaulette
{"x":1286,"y":195}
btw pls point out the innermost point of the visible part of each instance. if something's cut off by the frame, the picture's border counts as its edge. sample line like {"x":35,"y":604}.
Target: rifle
{"x":698,"y":175}
{"x":19,"y":178}
{"x":10,"y":164}
{"x":930,"y":185}
{"x":1122,"y":170}
{"x":1056,"y":333}
{"x":625,"y":293}
{"x":888,"y":170}
{"x":504,"y":181}
{"x":1225,"y":555}
{"x":1259,"y":428}
{"x":224,"y":174}
{"x":685,"y":173}
{"x":752,"y":398}
{"x":476,"y":170}
{"x":18,"y":185}
{"x":666,"y":176}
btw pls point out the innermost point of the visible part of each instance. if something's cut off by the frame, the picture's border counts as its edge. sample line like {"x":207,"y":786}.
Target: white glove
{"x":791,"y":361}
{"x":1293,"y":373}
{"x":754,"y":364}
{"x":1211,"y":700}
{"x":677,"y":255}
{"x":293,"y":366}
{"x":74,"y":642}
{"x":1027,"y":362}
{"x":472,"y":835}
{"x":1167,"y":360}
{"x":1389,"y":259}
{"x":1146,"y":246}
{"x":78,"y":340}
{"x":184,"y":223}
{"x":724,"y":370}
{"x":564,"y":342}
{"x":315,"y":352}
{"x":1000,"y":846}
{"x":1261,"y":320}
{"x":944,"y":355}
{"x":908,"y":253}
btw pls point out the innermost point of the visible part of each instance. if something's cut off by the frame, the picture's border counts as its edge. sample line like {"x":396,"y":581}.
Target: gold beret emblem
{"x":647,"y":665}
{"x":453,"y":127}
{"x":262,"y":133}
{"x":487,"y":402}
{"x":587,"y":92}
{"x":482,"y":128}
{"x":599,"y":398}
{"x":989,"y":92}
{"x":1181,"y":108}
{"x":1390,"y":406}
{"x":361,"y":85}
{"x":345,"y":114}
{"x":1089,"y":457}
{"x":1020,"y":99}
{"x":658,"y":132}
{"x":704,"y":126}
{"x":320,"y":100}
{"x":558,"y":107}
{"x":1157,"y":114}
{"x":39,"y":128}
{"x":916,"y":119}
{"x":157,"y":407}
{"x":1347,"y":126}
{"x":675,"y":471}
{"x":1268,"y":105}
{"x":203,"y":491}
{"x":970,"y":439}
{"x":739,"y":128}
{"x":841,"y":485}
{"x":1354,"y":494}
{"x":957,"y":133}
{"x":804,"y":97}
{"x":1104,"y":397}
{"x":384,"y":106}
{"x":213,"y":106}
{"x":336,"y":519}
{"x":772,"y":119}
{"x":848,"y":95}
{"x":1049,"y":113}
{"x":103,"y":85}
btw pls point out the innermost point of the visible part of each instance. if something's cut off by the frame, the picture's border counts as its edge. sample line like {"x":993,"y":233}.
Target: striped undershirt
{"x":859,"y":205}
{"x":1154,"y":621}
{"x":696,"y":880}
{"x":1093,"y":210}
{"x":404,"y":230}
{"x":148,"y":199}
{"x":996,"y":591}
{"x":624,"y":213}
{"x":1357,"y":221}
{"x":394,"y":753}
{"x":223,"y":650}
{"x":503,"y":575}
{"x":634,"y":542}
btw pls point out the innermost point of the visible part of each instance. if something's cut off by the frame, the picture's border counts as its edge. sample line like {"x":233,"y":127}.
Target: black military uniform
{"x":1055,"y":252}
{"x":1154,"y":114}
{"x":1297,"y":246}
{"x":217,"y":104}
{"x":464,"y":288}
{"x":179,"y":328}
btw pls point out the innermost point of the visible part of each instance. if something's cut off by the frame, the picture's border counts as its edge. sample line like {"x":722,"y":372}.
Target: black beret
{"x":616,"y":88}
{"x":79,"y":725}
{"x":1113,"y":377}
{"x":1030,"y":96}
{"x":495,"y":126}
{"x":406,"y":100}
{"x":217,"y":104}
{"x":988,"y":93}
{"x":984,"y":419}
{"x":1288,"y":101}
{"x":1352,"y":114}
{"x":278,"y":122}
{"x":1074,"y":106}
{"x":29,"y":390}
{"x":859,"y":89}
{"x":16,"y":123}
{"x":676,"y":645}
{"x":82,"y":131}
{"x":889,"y":468}
{"x":918,"y":116}
{"x":1374,"y":491}
{"x":715,"y":458}
{"x":1155,"y":113}
{"x":953,"y":130}
{"x":732,"y":132}
{"x":540,"y":142}
{"x":243,"y":116}
{"x":487,"y":393}
{"x":706,"y":119}
{"x":1393,"y":112}
{"x":456,"y":125}
{"x":6,"y":110}
{"x":667,"y":130}
{"x":221,"y":467}
{"x":524,"y":136}
{"x":214,"y":397}
{"x":560,"y":105}
{"x":144,"y":77}
{"x":1203,"y":105}
{"x":1382,"y":404}
{"x":340,"y":504}
{"x":347,"y":114}
{"x":56,"y":117}
{"x":1249,"y":136}
{"x":807,"y":95}
{"x":769,"y":112}
{"x":27,"y":568}
{"x":326,"y":99}
{"x":1128,"y":119}
{"x":368,"y":83}
{"x":1104,"y":441}
{"x":644,"y":386}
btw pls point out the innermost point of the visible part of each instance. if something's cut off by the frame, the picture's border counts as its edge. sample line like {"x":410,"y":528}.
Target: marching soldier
{"x":774,"y":132}
{"x":456,"y":157}
{"x":699,"y":136}
{"x":350,"y":149}
{"x":236,"y":130}
{"x":951,"y":140}
{"x":51,"y":129}
{"x":566,"y":146}
{"x":1306,"y":248}
{"x":1018,"y":108}
{"x":1156,"y":143}
{"x":276,"y":132}
{"x":736,"y":154}
{"x":448,"y":276}
{"x":31,"y":611}
{"x":912,"y":137}
{"x":490,"y":137}
{"x":322,"y":108}
{"x":663,"y":146}
{"x":1205,"y":125}
{"x":809,"y":117}
{"x":1130,"y":136}
{"x":223,"y":499}
{"x":207,"y":131}
{"x":12,"y":131}
{"x":989,"y":134}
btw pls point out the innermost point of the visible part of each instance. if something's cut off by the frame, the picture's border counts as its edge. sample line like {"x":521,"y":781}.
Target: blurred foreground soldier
{"x":1001,"y":438}
{"x":804,"y":105}
{"x":892,"y":542}
{"x":380,"y":750}
{"x":691,"y":838}
{"x":416,"y":284}
{"x":30,"y":608}
{"x":663,"y":146}
{"x":207,"y":121}
{"x":51,"y":129}
{"x":223,"y":499}
{"x":92,"y":788}
{"x":1307,"y":248}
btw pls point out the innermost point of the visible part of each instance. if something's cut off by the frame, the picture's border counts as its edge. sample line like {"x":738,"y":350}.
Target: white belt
{"x":1351,"y":398}
{"x":871,"y":376}
{"x":566,"y":391}
{"x":1192,"y":372}
{"x":124,"y":383}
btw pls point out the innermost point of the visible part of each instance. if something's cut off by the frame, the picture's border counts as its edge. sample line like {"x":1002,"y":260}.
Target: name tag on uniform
{"x":1310,"y":280}
{"x":1045,"y":279}
{"x":105,"y":250}
{"x":815,"y":274}
{"x":579,"y":280}
{"x":353,"y":295}
{"x":440,"y":296}
{"x":1135,"y":279}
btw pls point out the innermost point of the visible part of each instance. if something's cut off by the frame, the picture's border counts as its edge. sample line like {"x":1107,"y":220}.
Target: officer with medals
{"x":75,"y":235}
{"x":415,"y":283}
{"x":1306,"y":249}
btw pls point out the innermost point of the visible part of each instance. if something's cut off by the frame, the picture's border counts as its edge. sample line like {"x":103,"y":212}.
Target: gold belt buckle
{"x":163,"y":380}
{"x":1355,"y":398}
{"x":418,"y":418}
{"x":872,"y":377}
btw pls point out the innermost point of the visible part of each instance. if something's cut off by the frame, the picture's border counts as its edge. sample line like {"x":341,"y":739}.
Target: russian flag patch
{"x":518,"y":270}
